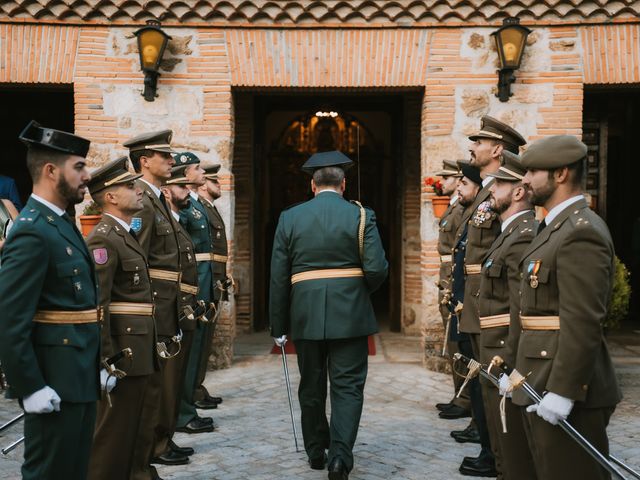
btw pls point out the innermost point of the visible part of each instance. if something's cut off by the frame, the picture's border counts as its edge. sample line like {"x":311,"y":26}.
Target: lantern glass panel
{"x":151,"y":41}
{"x":512,"y":40}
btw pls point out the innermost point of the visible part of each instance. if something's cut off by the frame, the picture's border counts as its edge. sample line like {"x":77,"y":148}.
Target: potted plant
{"x":620,"y":295}
{"x":439,"y":202}
{"x":90,"y":217}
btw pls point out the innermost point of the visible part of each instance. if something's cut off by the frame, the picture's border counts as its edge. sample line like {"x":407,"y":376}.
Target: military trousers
{"x":345,"y":362}
{"x":172,"y":388}
{"x":201,"y":336}
{"x":58,"y":444}
{"x":200,"y":392}
{"x":117,"y":429}
{"x":557,"y":456}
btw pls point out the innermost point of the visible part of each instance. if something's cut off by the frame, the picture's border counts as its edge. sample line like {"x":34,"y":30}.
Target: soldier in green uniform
{"x":327,"y":260}
{"x":176,"y":192}
{"x":499,"y":308}
{"x":150,"y":154}
{"x":127,"y":303}
{"x":488,"y":144}
{"x":193,"y":219}
{"x":448,"y":224}
{"x":566,"y":287}
{"x":50,"y":339}
{"x":223,"y":282}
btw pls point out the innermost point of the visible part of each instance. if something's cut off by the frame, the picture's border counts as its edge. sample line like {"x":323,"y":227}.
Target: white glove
{"x":280,"y":341}
{"x":107,"y":382}
{"x":45,"y":400}
{"x":552,"y":408}
{"x":505,"y":386}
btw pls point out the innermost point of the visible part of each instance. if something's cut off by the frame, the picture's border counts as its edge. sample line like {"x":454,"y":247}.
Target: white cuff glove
{"x":552,"y":408}
{"x":45,"y":400}
{"x":107,"y":382}
{"x":280,"y":341}
{"x":505,"y":386}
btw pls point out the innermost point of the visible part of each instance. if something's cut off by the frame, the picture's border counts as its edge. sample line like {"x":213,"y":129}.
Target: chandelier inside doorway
{"x":323,"y":130}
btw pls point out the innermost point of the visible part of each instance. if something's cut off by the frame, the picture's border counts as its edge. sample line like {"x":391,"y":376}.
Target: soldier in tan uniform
{"x":567,"y":278}
{"x":127,"y":303}
{"x":483,"y":227}
{"x":448,"y":224}
{"x":150,"y":154}
{"x":499,"y":308}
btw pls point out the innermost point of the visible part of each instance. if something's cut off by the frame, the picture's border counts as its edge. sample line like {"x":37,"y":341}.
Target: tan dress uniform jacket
{"x":499,"y":308}
{"x":124,"y":287}
{"x":566,"y":289}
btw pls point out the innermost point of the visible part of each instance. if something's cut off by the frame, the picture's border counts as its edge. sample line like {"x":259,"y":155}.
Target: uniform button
{"x":155,"y":294}
{"x":543,"y":353}
{"x":521,"y":275}
{"x":585,"y":387}
{"x":65,"y":341}
{"x":75,"y":271}
{"x":184,"y":299}
{"x":128,"y":329}
{"x":137,"y":267}
{"x":520,"y":292}
{"x":501,"y":342}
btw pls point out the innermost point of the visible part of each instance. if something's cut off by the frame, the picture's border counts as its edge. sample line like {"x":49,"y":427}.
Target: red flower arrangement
{"x":435,"y":184}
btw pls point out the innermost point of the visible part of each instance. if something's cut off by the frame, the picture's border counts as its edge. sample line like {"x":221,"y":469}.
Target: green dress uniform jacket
{"x":195,"y":221}
{"x":574,"y":279}
{"x":124,"y":281}
{"x":484,"y":228}
{"x":219,"y":239}
{"x":46,"y":267}
{"x":323,"y":234}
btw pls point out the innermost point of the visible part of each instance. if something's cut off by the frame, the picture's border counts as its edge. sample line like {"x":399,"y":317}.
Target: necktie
{"x":133,"y":235}
{"x":543,"y":224}
{"x":65,"y":216}
{"x":163,"y":200}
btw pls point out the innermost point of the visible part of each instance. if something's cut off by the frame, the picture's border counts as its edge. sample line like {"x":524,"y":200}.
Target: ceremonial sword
{"x":497,"y":361}
{"x":288,"y":383}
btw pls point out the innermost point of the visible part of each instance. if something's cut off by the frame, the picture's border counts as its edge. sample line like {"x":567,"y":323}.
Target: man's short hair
{"x":507,"y":146}
{"x":37,"y":157}
{"x":578,"y":172}
{"x":328,"y":177}
{"x":135,"y":158}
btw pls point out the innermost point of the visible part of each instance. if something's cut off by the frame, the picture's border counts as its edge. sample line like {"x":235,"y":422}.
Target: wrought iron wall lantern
{"x":152,"y":42}
{"x":510,"y":40}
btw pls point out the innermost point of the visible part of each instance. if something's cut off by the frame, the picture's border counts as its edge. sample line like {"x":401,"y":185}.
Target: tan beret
{"x":554,"y":152}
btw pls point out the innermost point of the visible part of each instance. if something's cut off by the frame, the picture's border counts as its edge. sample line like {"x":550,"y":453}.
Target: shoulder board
{"x":369,"y":209}
{"x":292,"y":205}
{"x":580,"y":218}
{"x":27,"y":216}
{"x":103,"y":228}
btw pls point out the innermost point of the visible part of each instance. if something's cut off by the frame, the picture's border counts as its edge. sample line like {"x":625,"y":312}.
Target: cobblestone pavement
{"x":400,"y":436}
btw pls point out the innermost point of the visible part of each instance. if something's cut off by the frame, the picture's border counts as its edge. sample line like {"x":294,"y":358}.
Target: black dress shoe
{"x":207,"y":420}
{"x":171,"y":458}
{"x":188,"y":451}
{"x":454,"y":412}
{"x":468,"y":435}
{"x":318,"y":463}
{"x":205,"y":404}
{"x":443,"y":406}
{"x":337,"y":470}
{"x":154,"y":473}
{"x":481,"y":466}
{"x":210,"y":398}
{"x":197,"y":425}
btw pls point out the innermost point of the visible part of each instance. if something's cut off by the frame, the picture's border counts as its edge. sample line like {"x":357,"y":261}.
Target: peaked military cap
{"x":472,"y":173}
{"x":511,"y":168}
{"x":156,"y":141}
{"x":554,"y":152}
{"x":493,"y":128}
{"x":111,"y":174}
{"x":450,"y":168}
{"x":186,"y":158}
{"x":178,"y":177}
{"x":211,"y":171}
{"x":35,"y":134}
{"x":326,"y":159}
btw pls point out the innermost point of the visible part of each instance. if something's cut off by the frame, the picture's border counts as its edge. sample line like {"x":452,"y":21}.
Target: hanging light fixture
{"x":152,"y":42}
{"x":510,"y":41}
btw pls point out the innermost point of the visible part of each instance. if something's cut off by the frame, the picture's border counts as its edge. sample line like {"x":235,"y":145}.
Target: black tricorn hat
{"x":34,"y":134}
{"x":326,"y":159}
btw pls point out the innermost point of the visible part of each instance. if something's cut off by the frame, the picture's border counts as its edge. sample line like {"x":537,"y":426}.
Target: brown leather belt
{"x":67,"y":316}
{"x":493,"y":321}
{"x":446,"y":258}
{"x":211,"y":257}
{"x":327,"y":273}
{"x":549,"y":322}
{"x":186,"y":288}
{"x":473,"y":269}
{"x":131,"y":308}
{"x":167,"y":275}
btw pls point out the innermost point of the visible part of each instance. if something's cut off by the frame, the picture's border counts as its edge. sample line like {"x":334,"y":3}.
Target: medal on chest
{"x":532,"y":269}
{"x":483,"y":213}
{"x":136,"y":279}
{"x":196,"y":214}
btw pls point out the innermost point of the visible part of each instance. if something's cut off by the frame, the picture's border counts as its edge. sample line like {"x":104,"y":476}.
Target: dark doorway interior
{"x":290,"y":128}
{"x":611,"y":126}
{"x":50,"y":105}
